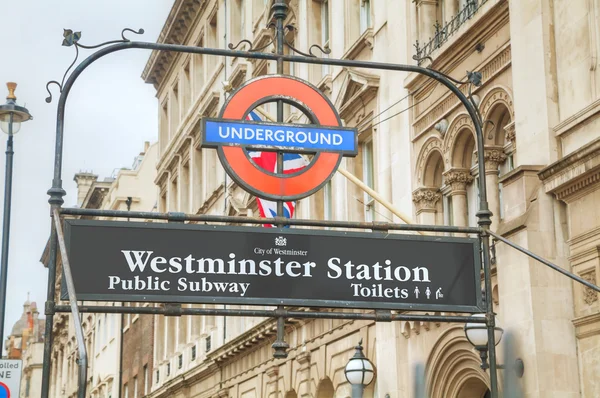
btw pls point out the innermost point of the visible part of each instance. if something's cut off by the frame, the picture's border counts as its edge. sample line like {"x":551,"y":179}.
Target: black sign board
{"x":189,"y":263}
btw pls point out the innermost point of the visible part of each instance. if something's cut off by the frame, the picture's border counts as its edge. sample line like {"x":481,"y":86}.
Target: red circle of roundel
{"x":4,"y":391}
{"x":257,"y":180}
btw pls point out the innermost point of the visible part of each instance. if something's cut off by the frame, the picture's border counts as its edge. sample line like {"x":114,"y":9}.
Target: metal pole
{"x":6,"y":225}
{"x":49,"y":311}
{"x":484,"y":220}
{"x":81,"y":349}
{"x":546,"y":262}
{"x":357,"y":390}
{"x":279,"y":12}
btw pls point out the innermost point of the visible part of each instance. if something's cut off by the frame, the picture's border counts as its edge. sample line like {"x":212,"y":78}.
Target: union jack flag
{"x":292,"y":162}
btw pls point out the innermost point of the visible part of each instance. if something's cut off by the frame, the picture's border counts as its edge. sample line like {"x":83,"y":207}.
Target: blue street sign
{"x":291,"y":137}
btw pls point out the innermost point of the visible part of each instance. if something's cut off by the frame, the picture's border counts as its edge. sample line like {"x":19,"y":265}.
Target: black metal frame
{"x":279,"y":9}
{"x":477,"y":308}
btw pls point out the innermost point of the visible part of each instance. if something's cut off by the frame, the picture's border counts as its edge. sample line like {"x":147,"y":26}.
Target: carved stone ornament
{"x":590,"y":296}
{"x":493,"y":158}
{"x":458,"y":179}
{"x":426,"y":198}
{"x":510,"y":134}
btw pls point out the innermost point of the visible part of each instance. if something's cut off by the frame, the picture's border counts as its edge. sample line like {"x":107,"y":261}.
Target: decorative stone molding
{"x":510,"y":134}
{"x":426,"y":198}
{"x":590,"y":296}
{"x":457,"y":180}
{"x":366,"y":40}
{"x":357,"y":91}
{"x":430,"y":145}
{"x":272,"y":372}
{"x":459,"y":123}
{"x":445,"y":105}
{"x":303,"y":358}
{"x":574,"y":175}
{"x":223,"y":393}
{"x":177,"y":29}
{"x":494,"y":156}
{"x":497,"y":95}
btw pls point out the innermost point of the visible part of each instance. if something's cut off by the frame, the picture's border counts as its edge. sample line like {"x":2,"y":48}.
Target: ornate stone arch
{"x":459,"y":123}
{"x":431,"y":145}
{"x":497,"y":95}
{"x":453,"y":367}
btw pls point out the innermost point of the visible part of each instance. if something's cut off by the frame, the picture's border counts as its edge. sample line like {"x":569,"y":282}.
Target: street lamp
{"x":11,"y":117}
{"x":359,"y":371}
{"x":478,"y":337}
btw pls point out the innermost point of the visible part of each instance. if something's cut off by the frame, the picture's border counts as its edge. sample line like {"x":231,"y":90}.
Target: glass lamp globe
{"x":11,"y":113}
{"x":359,"y":370}
{"x":477,"y":333}
{"x":4,"y":126}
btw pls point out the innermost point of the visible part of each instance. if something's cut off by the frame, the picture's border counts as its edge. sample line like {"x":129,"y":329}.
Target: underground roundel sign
{"x":236,"y":137}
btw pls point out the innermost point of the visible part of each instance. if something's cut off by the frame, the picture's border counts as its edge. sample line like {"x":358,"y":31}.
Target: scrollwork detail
{"x":71,"y":39}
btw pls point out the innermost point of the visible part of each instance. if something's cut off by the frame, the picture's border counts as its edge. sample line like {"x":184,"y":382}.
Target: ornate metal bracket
{"x":70,"y":39}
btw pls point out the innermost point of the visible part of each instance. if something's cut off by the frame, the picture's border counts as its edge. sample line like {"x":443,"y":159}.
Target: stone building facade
{"x":539,"y":100}
{"x":26,"y":342}
{"x":108,"y":337}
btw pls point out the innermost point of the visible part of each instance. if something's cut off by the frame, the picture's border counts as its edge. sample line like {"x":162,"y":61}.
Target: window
{"x":126,"y":391}
{"x":168,"y":369}
{"x":157,"y":376}
{"x":135,"y":387}
{"x":27,"y":386}
{"x":237,"y":20}
{"x":164,"y":125}
{"x":98,"y":337}
{"x":208,"y":344}
{"x":193,"y":353}
{"x":368,"y":179}
{"x":198,"y":60}
{"x":146,"y":379}
{"x":185,"y":83}
{"x":180,"y":361}
{"x":448,"y":214}
{"x":211,"y":39}
{"x":365,"y":15}
{"x":174,"y":110}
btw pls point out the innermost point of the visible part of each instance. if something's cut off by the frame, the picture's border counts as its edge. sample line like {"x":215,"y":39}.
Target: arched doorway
{"x":473,"y":388}
{"x":453,"y":368}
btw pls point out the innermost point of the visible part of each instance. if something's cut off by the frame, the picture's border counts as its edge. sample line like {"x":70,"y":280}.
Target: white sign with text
{"x":10,"y":377}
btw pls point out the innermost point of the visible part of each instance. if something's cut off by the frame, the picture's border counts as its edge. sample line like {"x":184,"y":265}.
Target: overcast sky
{"x":110,"y":113}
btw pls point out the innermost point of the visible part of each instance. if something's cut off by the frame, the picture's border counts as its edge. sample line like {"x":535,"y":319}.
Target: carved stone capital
{"x":457,"y":180}
{"x":494,"y":156}
{"x":510,"y":134}
{"x":426,"y":198}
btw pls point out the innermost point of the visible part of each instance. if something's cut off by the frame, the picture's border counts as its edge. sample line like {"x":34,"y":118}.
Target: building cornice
{"x":575,"y":174}
{"x":177,"y":28}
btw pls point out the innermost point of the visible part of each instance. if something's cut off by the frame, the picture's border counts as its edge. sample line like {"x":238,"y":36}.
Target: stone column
{"x":494,"y":156}
{"x":427,"y":12}
{"x":457,"y":180}
{"x":425,"y":200}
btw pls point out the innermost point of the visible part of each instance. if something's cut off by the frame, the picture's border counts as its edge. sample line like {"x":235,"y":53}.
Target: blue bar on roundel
{"x":261,"y":135}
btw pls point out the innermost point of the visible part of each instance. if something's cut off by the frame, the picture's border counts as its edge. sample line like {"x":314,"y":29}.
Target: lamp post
{"x":359,"y":371}
{"x":11,"y":117}
{"x":477,"y":335}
